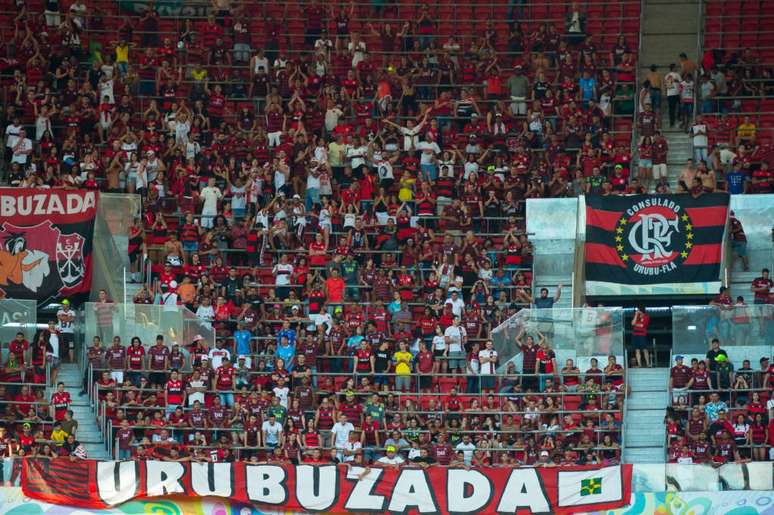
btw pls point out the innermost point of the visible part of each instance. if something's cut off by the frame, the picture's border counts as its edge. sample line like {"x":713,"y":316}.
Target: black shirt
{"x":711,"y":355}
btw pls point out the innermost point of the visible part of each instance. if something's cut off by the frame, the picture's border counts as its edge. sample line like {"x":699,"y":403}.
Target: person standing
{"x":487,"y":359}
{"x":761,"y":286}
{"x":210,"y":196}
{"x":738,"y":240}
{"x":65,"y":325}
{"x":656,"y":84}
{"x":640,"y":324}
{"x":700,"y":140}
{"x":672,"y":82}
{"x":104,"y":309}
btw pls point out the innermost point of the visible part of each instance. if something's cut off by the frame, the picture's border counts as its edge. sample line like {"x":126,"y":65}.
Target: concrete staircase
{"x":89,"y":433}
{"x":680,"y":151}
{"x":669,"y":27}
{"x":644,"y":427}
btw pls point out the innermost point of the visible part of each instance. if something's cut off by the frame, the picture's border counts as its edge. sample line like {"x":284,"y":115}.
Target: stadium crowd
{"x":350,"y":222}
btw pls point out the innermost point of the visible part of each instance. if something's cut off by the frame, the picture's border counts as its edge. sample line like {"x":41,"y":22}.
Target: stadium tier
{"x":386,"y":235}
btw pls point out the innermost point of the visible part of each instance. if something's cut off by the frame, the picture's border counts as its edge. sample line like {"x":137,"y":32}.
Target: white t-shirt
{"x":455,"y":335}
{"x":64,"y":327}
{"x":439,"y":342}
{"x":487,"y":368}
{"x":196,"y":396}
{"x":429,"y":149}
{"x":672,"y":81}
{"x":53,"y":340}
{"x":238,"y":197}
{"x":395,"y":460}
{"x":699,"y":140}
{"x":12,"y":135}
{"x":457,"y":306}
{"x":282,"y":395}
{"x":340,"y":434}
{"x":410,"y":137}
{"x":272,"y":432}
{"x":467,"y":451}
{"x":18,"y":156}
{"x":357,"y":155}
{"x":206,"y":313}
{"x":210,"y":195}
{"x":283,"y":271}
{"x":350,"y":446}
{"x":216,"y":357}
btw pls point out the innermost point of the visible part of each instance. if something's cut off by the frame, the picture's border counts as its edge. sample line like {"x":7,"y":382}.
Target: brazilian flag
{"x":591,"y":486}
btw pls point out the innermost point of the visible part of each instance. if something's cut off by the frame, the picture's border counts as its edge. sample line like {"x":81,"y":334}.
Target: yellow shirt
{"x":59,"y":437}
{"x":406,"y":192}
{"x":122,"y":54}
{"x":402,"y":360}
{"x":746,"y":131}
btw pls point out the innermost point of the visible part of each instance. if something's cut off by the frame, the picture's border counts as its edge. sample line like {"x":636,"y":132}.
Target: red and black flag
{"x":653,"y":239}
{"x":45,"y":242}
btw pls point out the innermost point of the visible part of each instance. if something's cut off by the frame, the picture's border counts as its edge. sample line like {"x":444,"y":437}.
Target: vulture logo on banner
{"x":653,"y":238}
{"x":26,"y":259}
{"x":69,"y":253}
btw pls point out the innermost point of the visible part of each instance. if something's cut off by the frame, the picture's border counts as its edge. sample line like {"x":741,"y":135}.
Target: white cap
{"x":173,"y":284}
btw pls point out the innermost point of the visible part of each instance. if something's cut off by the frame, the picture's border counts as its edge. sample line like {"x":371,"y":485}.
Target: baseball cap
{"x":544,"y":453}
{"x":349,"y":393}
{"x":65,"y":302}
{"x":198,"y":338}
{"x":205,"y":358}
{"x":679,"y":356}
{"x":764,"y":358}
{"x":173,"y":284}
{"x":721,"y":358}
{"x":619,"y":167}
{"x":242,"y":356}
{"x":390,"y":448}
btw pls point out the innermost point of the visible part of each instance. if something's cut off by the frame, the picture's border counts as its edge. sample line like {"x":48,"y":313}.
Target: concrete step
{"x":648,"y":401}
{"x":643,"y":454}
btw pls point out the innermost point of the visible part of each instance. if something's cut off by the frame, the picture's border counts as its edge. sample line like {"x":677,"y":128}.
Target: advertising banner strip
{"x":332,"y":488}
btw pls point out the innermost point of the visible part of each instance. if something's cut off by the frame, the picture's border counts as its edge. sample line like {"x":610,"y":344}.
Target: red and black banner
{"x":329,"y":488}
{"x":45,"y":242}
{"x":653,"y":239}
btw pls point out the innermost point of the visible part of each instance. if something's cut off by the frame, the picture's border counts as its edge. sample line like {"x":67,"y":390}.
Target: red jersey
{"x":61,"y":402}
{"x":116,"y":357}
{"x":641,"y":327}
{"x":158,"y":357}
{"x":174,"y":392}
{"x":224,"y":378}
{"x":136,"y":355}
{"x":363,"y":358}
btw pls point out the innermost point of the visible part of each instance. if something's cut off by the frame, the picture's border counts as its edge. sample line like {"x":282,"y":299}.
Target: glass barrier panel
{"x":573,"y":333}
{"x":146,"y":321}
{"x":744,"y":331}
{"x":17,"y":316}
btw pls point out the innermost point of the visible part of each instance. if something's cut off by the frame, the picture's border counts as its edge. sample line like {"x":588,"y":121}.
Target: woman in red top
{"x":311,"y":438}
{"x":317,"y":251}
{"x":640,"y":324}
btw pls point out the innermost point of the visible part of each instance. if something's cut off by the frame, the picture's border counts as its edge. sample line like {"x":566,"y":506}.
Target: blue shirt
{"x":286,"y":352}
{"x":242,"y":338}
{"x":587,"y":87}
{"x":290,"y":333}
{"x":735,"y":180}
{"x":354,"y":340}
